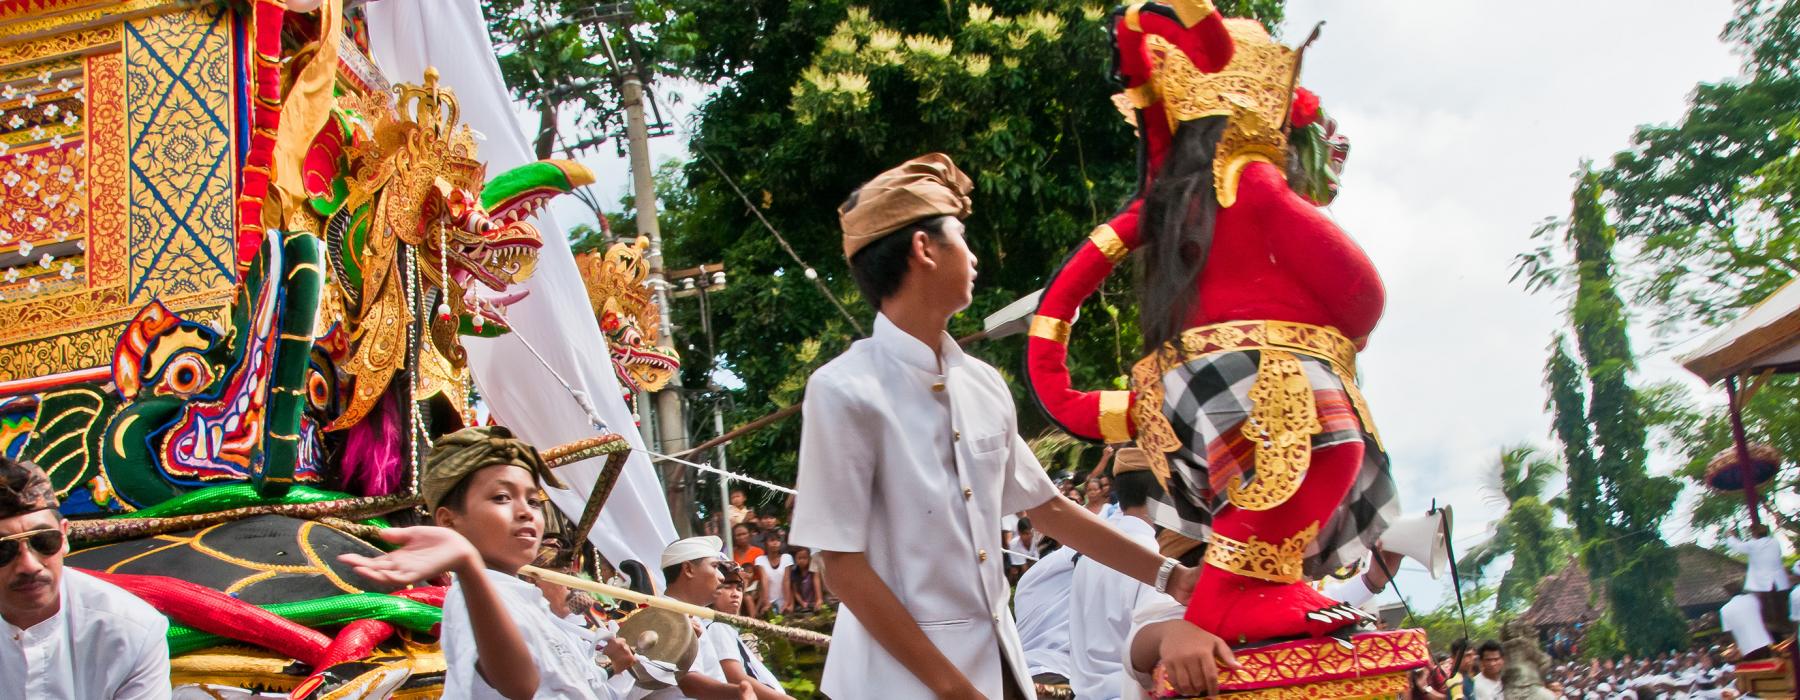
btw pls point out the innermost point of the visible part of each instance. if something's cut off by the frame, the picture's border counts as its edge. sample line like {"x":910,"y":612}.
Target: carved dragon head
{"x":626,"y":313}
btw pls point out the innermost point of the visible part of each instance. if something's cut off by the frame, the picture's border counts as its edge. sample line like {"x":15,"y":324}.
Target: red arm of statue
{"x":1047,"y":352}
{"x":1322,"y":259}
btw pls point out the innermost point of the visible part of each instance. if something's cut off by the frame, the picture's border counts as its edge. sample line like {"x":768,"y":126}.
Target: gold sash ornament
{"x":1283,"y":417}
{"x":1280,"y":562}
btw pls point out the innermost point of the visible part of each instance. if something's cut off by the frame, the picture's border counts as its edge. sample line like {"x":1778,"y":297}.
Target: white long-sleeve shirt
{"x":103,"y":643}
{"x":563,"y":651}
{"x":1101,"y":621}
{"x":1042,"y":602}
{"x":1764,"y":571}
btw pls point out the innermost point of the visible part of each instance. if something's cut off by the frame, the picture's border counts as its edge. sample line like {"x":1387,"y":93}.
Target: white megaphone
{"x":1424,"y":538}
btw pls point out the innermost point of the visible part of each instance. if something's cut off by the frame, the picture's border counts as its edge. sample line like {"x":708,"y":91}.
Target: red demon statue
{"x":1253,"y":305}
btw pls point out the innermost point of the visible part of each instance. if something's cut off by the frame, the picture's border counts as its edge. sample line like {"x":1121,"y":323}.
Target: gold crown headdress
{"x":1253,"y":92}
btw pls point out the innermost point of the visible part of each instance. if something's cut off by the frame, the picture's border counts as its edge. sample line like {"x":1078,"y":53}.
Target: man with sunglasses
{"x":67,"y":635}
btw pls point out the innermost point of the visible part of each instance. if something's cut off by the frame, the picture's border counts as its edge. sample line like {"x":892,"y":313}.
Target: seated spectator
{"x":804,"y":594}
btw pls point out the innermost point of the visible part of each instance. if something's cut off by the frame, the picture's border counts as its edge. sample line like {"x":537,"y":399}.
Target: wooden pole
{"x":1746,"y":471}
{"x":794,"y":634}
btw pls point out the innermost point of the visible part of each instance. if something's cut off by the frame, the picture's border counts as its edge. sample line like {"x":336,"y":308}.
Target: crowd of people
{"x":1692,"y":675}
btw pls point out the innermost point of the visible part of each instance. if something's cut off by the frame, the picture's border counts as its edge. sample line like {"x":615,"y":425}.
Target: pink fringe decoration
{"x":374,"y":451}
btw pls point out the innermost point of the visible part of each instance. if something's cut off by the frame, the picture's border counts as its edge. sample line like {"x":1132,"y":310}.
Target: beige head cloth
{"x":927,"y":186}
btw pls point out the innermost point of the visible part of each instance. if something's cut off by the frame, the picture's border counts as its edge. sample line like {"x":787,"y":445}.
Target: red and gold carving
{"x":1322,"y":668}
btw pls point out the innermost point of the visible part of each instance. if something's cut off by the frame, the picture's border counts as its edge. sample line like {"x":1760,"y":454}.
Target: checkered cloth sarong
{"x":1206,"y":401}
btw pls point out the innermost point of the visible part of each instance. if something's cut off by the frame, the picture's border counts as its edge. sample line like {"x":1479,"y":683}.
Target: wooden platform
{"x":1376,"y":666}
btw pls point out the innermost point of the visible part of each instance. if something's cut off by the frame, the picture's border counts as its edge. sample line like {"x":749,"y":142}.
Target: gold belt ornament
{"x":1279,"y":562}
{"x":1283,"y":416}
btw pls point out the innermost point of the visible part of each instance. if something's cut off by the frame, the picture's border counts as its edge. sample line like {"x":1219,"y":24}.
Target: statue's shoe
{"x":1244,"y":611}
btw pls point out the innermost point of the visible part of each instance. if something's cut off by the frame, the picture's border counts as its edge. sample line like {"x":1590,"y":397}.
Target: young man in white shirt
{"x":695,"y":569}
{"x":68,"y":636}
{"x":909,"y":457}
{"x":1492,"y":658}
{"x":499,"y":636}
{"x":1104,"y":599}
{"x":736,"y":662}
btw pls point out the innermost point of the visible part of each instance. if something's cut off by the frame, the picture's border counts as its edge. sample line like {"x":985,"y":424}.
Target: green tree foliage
{"x":1711,"y":206}
{"x":814,"y":98}
{"x":1616,"y":505}
{"x":1710,"y":201}
{"x":1521,"y":477}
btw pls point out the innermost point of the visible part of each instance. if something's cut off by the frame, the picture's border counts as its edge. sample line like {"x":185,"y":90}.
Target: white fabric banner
{"x":406,"y":37}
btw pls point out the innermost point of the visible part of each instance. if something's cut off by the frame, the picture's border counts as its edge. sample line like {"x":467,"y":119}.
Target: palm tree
{"x":1528,"y":531}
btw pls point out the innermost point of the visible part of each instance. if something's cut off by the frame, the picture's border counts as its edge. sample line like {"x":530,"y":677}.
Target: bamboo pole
{"x":793,"y":634}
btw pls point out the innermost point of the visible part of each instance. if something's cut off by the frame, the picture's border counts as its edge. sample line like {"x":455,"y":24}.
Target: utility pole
{"x":671,"y":425}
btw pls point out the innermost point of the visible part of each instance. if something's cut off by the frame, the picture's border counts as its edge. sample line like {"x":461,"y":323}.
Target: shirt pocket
{"x":984,"y":446}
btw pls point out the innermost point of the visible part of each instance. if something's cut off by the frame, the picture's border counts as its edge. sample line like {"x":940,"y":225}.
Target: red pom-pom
{"x":1305,"y":108}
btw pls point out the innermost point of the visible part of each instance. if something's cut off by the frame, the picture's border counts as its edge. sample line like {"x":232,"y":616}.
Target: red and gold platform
{"x":1375,"y":666}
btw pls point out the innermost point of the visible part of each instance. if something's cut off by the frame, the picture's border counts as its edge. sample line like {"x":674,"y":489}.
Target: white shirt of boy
{"x":1103,"y":602}
{"x":914,"y":463}
{"x":102,"y":643}
{"x":1042,"y":603}
{"x":566,"y":654}
{"x":728,"y":645}
{"x":774,"y":574}
{"x":1764,"y":571}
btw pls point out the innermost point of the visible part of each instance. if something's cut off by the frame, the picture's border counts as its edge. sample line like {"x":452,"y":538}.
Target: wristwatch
{"x":1162,"y":574}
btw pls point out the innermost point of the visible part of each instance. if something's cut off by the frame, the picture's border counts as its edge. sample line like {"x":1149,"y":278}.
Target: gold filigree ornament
{"x":1279,"y":562}
{"x":1283,"y":419}
{"x":1253,"y":91}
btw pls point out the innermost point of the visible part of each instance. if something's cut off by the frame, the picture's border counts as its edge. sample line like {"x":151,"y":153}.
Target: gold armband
{"x":1054,"y":330}
{"x":1131,"y":17}
{"x":1108,"y":242}
{"x":1115,"y":416}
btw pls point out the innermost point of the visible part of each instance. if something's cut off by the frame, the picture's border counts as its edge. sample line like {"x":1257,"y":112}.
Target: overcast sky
{"x":1466,"y":120}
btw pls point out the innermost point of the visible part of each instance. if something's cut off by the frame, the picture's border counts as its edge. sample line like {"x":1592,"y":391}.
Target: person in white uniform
{"x":772,"y":566}
{"x":1041,"y":602}
{"x":1104,"y":599}
{"x":736,"y":659}
{"x":499,"y":636}
{"x":69,"y":636}
{"x":909,"y":456}
{"x":696,"y":570}
{"x":1764,"y":572}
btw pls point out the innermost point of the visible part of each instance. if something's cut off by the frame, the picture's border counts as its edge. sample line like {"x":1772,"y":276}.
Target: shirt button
{"x":968,"y":494}
{"x":982,"y":554}
{"x":996,"y":618}
{"x":955,"y":435}
{"x":937,"y":387}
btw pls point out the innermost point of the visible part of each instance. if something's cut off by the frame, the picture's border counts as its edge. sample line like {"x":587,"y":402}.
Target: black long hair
{"x":1176,"y":232}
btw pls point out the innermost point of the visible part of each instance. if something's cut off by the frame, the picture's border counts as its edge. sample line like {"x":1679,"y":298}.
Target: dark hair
{"x":1490,"y":645}
{"x":1134,"y":489}
{"x":671,"y":573}
{"x":1458,"y":648}
{"x":1024,"y":524}
{"x":880,"y":267}
{"x":457,"y":498}
{"x":1177,"y":231}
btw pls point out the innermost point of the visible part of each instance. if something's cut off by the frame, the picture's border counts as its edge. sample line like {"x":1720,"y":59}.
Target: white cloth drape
{"x":406,"y":37}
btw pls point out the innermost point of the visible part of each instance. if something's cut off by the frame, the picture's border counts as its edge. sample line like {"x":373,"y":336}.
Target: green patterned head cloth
{"x":457,"y":455}
{"x":24,"y":489}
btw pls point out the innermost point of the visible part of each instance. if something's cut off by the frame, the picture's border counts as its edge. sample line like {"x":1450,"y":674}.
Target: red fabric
{"x":429,"y":595}
{"x":213,"y":612}
{"x":1228,"y":457}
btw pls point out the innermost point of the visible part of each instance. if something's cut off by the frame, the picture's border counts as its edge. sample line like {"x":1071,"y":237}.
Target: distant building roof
{"x":1701,"y":584}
